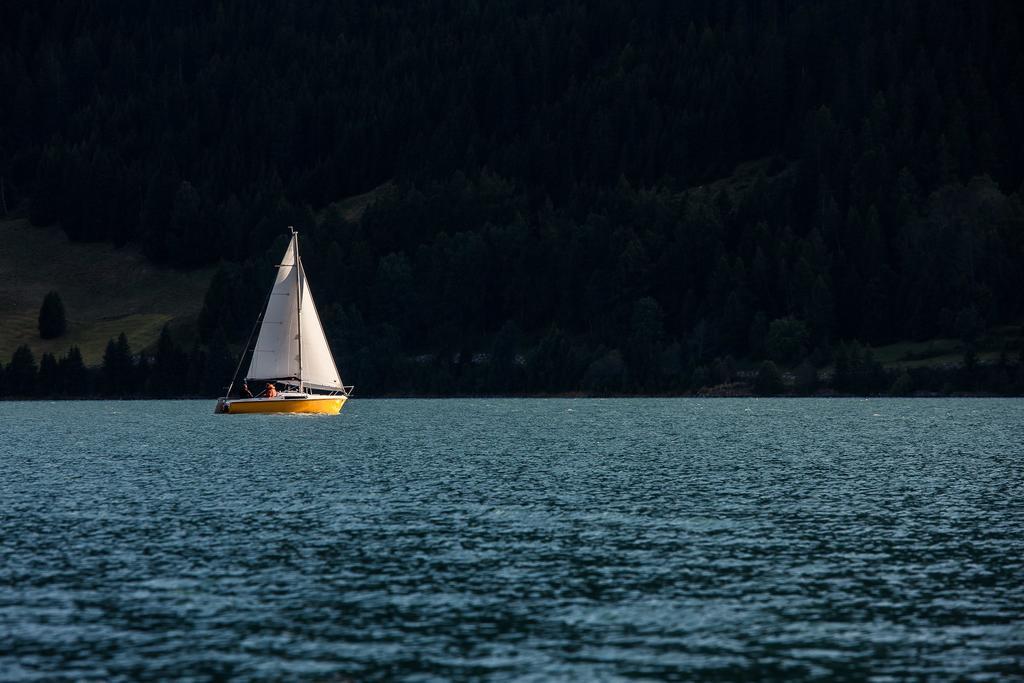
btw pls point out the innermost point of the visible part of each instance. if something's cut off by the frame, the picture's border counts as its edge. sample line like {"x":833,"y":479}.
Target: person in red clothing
{"x":271,"y":390}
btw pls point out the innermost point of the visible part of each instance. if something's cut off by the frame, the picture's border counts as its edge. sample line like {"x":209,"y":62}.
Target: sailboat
{"x":291,"y":350}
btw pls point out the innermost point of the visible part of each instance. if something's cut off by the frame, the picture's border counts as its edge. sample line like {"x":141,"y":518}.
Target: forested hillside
{"x":606,"y":196}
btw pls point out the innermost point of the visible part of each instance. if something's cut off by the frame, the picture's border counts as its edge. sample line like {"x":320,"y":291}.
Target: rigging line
{"x":245,"y":348}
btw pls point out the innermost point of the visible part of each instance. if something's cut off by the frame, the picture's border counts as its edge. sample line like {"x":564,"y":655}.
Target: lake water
{"x":514,"y":539}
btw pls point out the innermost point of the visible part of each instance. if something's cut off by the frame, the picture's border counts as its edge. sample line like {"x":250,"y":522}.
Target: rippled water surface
{"x":513,"y":539}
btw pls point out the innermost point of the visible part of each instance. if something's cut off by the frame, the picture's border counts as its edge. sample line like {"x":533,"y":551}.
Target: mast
{"x":298,"y":297}
{"x":276,"y":356}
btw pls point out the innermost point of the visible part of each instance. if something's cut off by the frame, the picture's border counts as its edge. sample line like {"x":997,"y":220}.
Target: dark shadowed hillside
{"x":563,"y":196}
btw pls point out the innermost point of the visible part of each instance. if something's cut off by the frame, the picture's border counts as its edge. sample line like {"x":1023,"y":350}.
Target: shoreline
{"x":440,"y":397}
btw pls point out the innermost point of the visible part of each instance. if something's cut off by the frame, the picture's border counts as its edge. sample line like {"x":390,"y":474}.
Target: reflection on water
{"x":548,"y":539}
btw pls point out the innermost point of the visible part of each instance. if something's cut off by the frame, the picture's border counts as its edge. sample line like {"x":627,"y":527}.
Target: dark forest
{"x":606,"y":197}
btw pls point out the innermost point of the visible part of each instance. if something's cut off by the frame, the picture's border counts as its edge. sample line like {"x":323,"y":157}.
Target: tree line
{"x":593,"y":196}
{"x":167,"y":371}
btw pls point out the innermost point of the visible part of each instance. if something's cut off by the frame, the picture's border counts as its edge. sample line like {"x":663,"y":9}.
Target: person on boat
{"x":246,"y":393}
{"x":271,"y":390}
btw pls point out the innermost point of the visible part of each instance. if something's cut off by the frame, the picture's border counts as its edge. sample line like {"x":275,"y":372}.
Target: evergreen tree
{"x":141,"y":376}
{"x":186,"y":230}
{"x":607,"y":374}
{"x":49,"y":381}
{"x":645,"y":341}
{"x":20,"y":375}
{"x":903,"y":385}
{"x":170,"y":367}
{"x":806,"y":378}
{"x":504,"y":369}
{"x":196,"y":370}
{"x":553,"y":365}
{"x":52,"y":322}
{"x":758,"y":335}
{"x":220,"y":365}
{"x":769,"y":380}
{"x":787,"y":340}
{"x":74,"y":376}
{"x":47,"y":193}
{"x":118,"y":368}
{"x":970,"y":368}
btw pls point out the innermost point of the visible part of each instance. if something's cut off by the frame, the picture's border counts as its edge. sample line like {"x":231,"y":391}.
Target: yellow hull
{"x":324,"y":406}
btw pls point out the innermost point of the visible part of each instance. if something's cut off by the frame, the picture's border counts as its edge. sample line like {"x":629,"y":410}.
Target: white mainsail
{"x":291,"y":344}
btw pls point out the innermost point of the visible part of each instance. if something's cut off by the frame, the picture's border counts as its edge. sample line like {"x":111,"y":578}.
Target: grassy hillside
{"x":105,"y":291}
{"x":353,"y":208}
{"x":950,"y":352}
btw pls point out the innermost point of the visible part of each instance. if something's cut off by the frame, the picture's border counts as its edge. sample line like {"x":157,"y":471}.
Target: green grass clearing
{"x":353,"y":208}
{"x":949,"y":352}
{"x":105,"y":291}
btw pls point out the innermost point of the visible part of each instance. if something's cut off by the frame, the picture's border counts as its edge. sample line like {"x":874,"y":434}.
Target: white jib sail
{"x":318,"y":368}
{"x":276,"y":355}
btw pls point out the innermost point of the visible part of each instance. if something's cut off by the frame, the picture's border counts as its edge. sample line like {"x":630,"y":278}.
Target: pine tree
{"x":49,"y":379}
{"x":645,"y":340}
{"x":118,"y":369}
{"x":143,"y":370}
{"x":170,"y":367}
{"x":21,"y":373}
{"x":47,"y":192}
{"x":196,"y":369}
{"x":186,"y":228}
{"x":52,"y":322}
{"x":787,"y":340}
{"x":220,"y":365}
{"x":74,"y":376}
